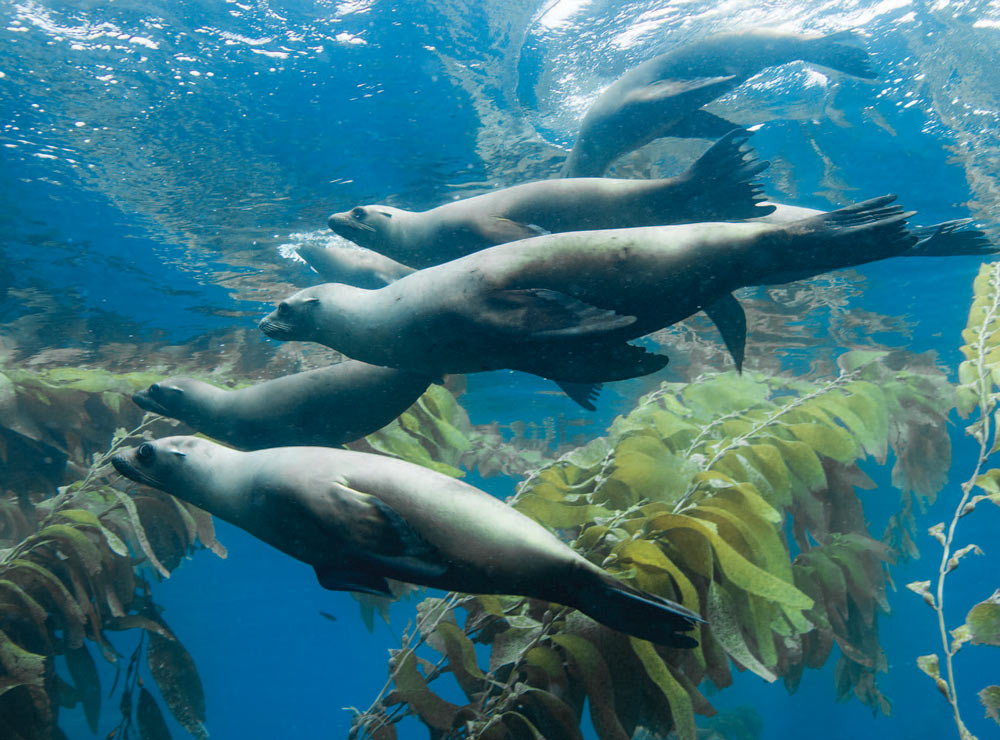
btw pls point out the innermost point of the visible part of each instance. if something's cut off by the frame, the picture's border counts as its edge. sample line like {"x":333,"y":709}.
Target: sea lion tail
{"x":724,"y":183}
{"x":621,"y":607}
{"x":949,"y":239}
{"x":840,"y":51}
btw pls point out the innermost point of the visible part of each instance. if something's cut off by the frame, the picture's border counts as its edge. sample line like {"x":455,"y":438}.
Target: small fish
{"x":328,"y":616}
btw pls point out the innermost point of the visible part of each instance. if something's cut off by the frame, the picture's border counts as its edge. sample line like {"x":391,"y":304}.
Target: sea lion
{"x":652,"y":100}
{"x":359,"y":519}
{"x":719,"y":186}
{"x":564,"y":306}
{"x":328,"y":406}
{"x":353,"y":265}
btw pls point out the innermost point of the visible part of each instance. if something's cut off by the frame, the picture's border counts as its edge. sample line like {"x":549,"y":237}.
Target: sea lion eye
{"x":283,"y":309}
{"x":358,"y":213}
{"x":146,"y":453}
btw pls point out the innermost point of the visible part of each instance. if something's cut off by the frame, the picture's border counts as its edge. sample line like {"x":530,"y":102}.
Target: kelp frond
{"x":688,"y":497}
{"x":74,"y":565}
{"x":978,"y":393}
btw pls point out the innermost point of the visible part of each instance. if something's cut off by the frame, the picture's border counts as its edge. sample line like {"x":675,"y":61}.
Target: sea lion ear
{"x":386,"y":214}
{"x":178,"y":453}
{"x":310,"y":300}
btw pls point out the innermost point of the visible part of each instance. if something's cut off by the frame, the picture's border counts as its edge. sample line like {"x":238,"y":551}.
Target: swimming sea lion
{"x":719,"y":186}
{"x":328,"y":406}
{"x":353,"y":265}
{"x":644,"y":104}
{"x":359,"y":518}
{"x":564,"y":306}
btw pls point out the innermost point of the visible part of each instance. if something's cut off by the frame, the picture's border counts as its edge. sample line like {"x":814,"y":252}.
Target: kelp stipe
{"x":688,"y":497}
{"x":978,"y":392}
{"x":73,"y":566}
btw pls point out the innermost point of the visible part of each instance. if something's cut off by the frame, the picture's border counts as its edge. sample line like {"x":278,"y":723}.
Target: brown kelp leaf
{"x":549,"y":712}
{"x":140,"y":533}
{"x":88,"y":518}
{"x":148,"y":716}
{"x":434,"y":711}
{"x":931,"y":665}
{"x":25,"y":604}
{"x":681,"y":708}
{"x":72,"y":542}
{"x":206,"y":530}
{"x":35,"y":579}
{"x":990,"y":697}
{"x":87,"y":683}
{"x":26,"y":670}
{"x":176,"y":675}
{"x":983,"y":621}
{"x":462,"y":658}
{"x":593,"y":671}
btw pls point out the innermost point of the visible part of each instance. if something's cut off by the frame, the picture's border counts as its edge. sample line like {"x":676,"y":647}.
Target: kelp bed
{"x":737,"y":495}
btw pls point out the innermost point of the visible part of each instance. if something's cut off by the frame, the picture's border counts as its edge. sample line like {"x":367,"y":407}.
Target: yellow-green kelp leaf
{"x":983,"y":621}
{"x":593,"y":671}
{"x":990,"y":697}
{"x":740,"y":571}
{"x":726,"y":628}
{"x":681,"y":708}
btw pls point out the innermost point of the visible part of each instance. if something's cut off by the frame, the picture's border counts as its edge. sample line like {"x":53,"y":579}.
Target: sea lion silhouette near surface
{"x":654,"y":99}
{"x":328,"y":406}
{"x":564,"y":306}
{"x":719,"y":186}
{"x":353,"y":265}
{"x":359,"y":518}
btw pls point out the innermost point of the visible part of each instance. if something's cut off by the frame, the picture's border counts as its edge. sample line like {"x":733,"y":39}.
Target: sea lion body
{"x":360,"y":518}
{"x":718,"y":186}
{"x":328,"y":406}
{"x":652,"y":100}
{"x":353,"y":265}
{"x":564,"y":306}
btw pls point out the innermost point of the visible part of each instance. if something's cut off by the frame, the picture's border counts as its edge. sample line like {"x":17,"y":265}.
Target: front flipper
{"x":498,"y":230}
{"x":693,"y":93}
{"x":593,"y":362}
{"x":583,"y":393}
{"x":334,"y":579}
{"x":385,"y":539}
{"x":728,"y":316}
{"x":540,"y":313}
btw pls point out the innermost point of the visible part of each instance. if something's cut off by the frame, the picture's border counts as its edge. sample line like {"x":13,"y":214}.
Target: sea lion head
{"x":178,"y":398}
{"x":372,"y":227}
{"x":294,"y":318}
{"x":325,"y":313}
{"x":177,"y":465}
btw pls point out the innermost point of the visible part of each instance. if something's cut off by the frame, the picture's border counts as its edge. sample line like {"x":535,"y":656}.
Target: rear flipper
{"x":948,"y":240}
{"x":864,"y":232}
{"x":611,"y":602}
{"x":840,"y":51}
{"x":722,"y":182}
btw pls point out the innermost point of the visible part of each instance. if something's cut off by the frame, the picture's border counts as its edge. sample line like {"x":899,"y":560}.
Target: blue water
{"x":158,"y":155}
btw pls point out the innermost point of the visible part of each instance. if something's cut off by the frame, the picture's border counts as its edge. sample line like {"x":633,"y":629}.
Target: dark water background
{"x":159,"y":157}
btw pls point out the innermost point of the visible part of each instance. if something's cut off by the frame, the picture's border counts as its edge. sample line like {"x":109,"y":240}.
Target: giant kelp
{"x":74,"y":565}
{"x":978,"y":393}
{"x":735,"y":495}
